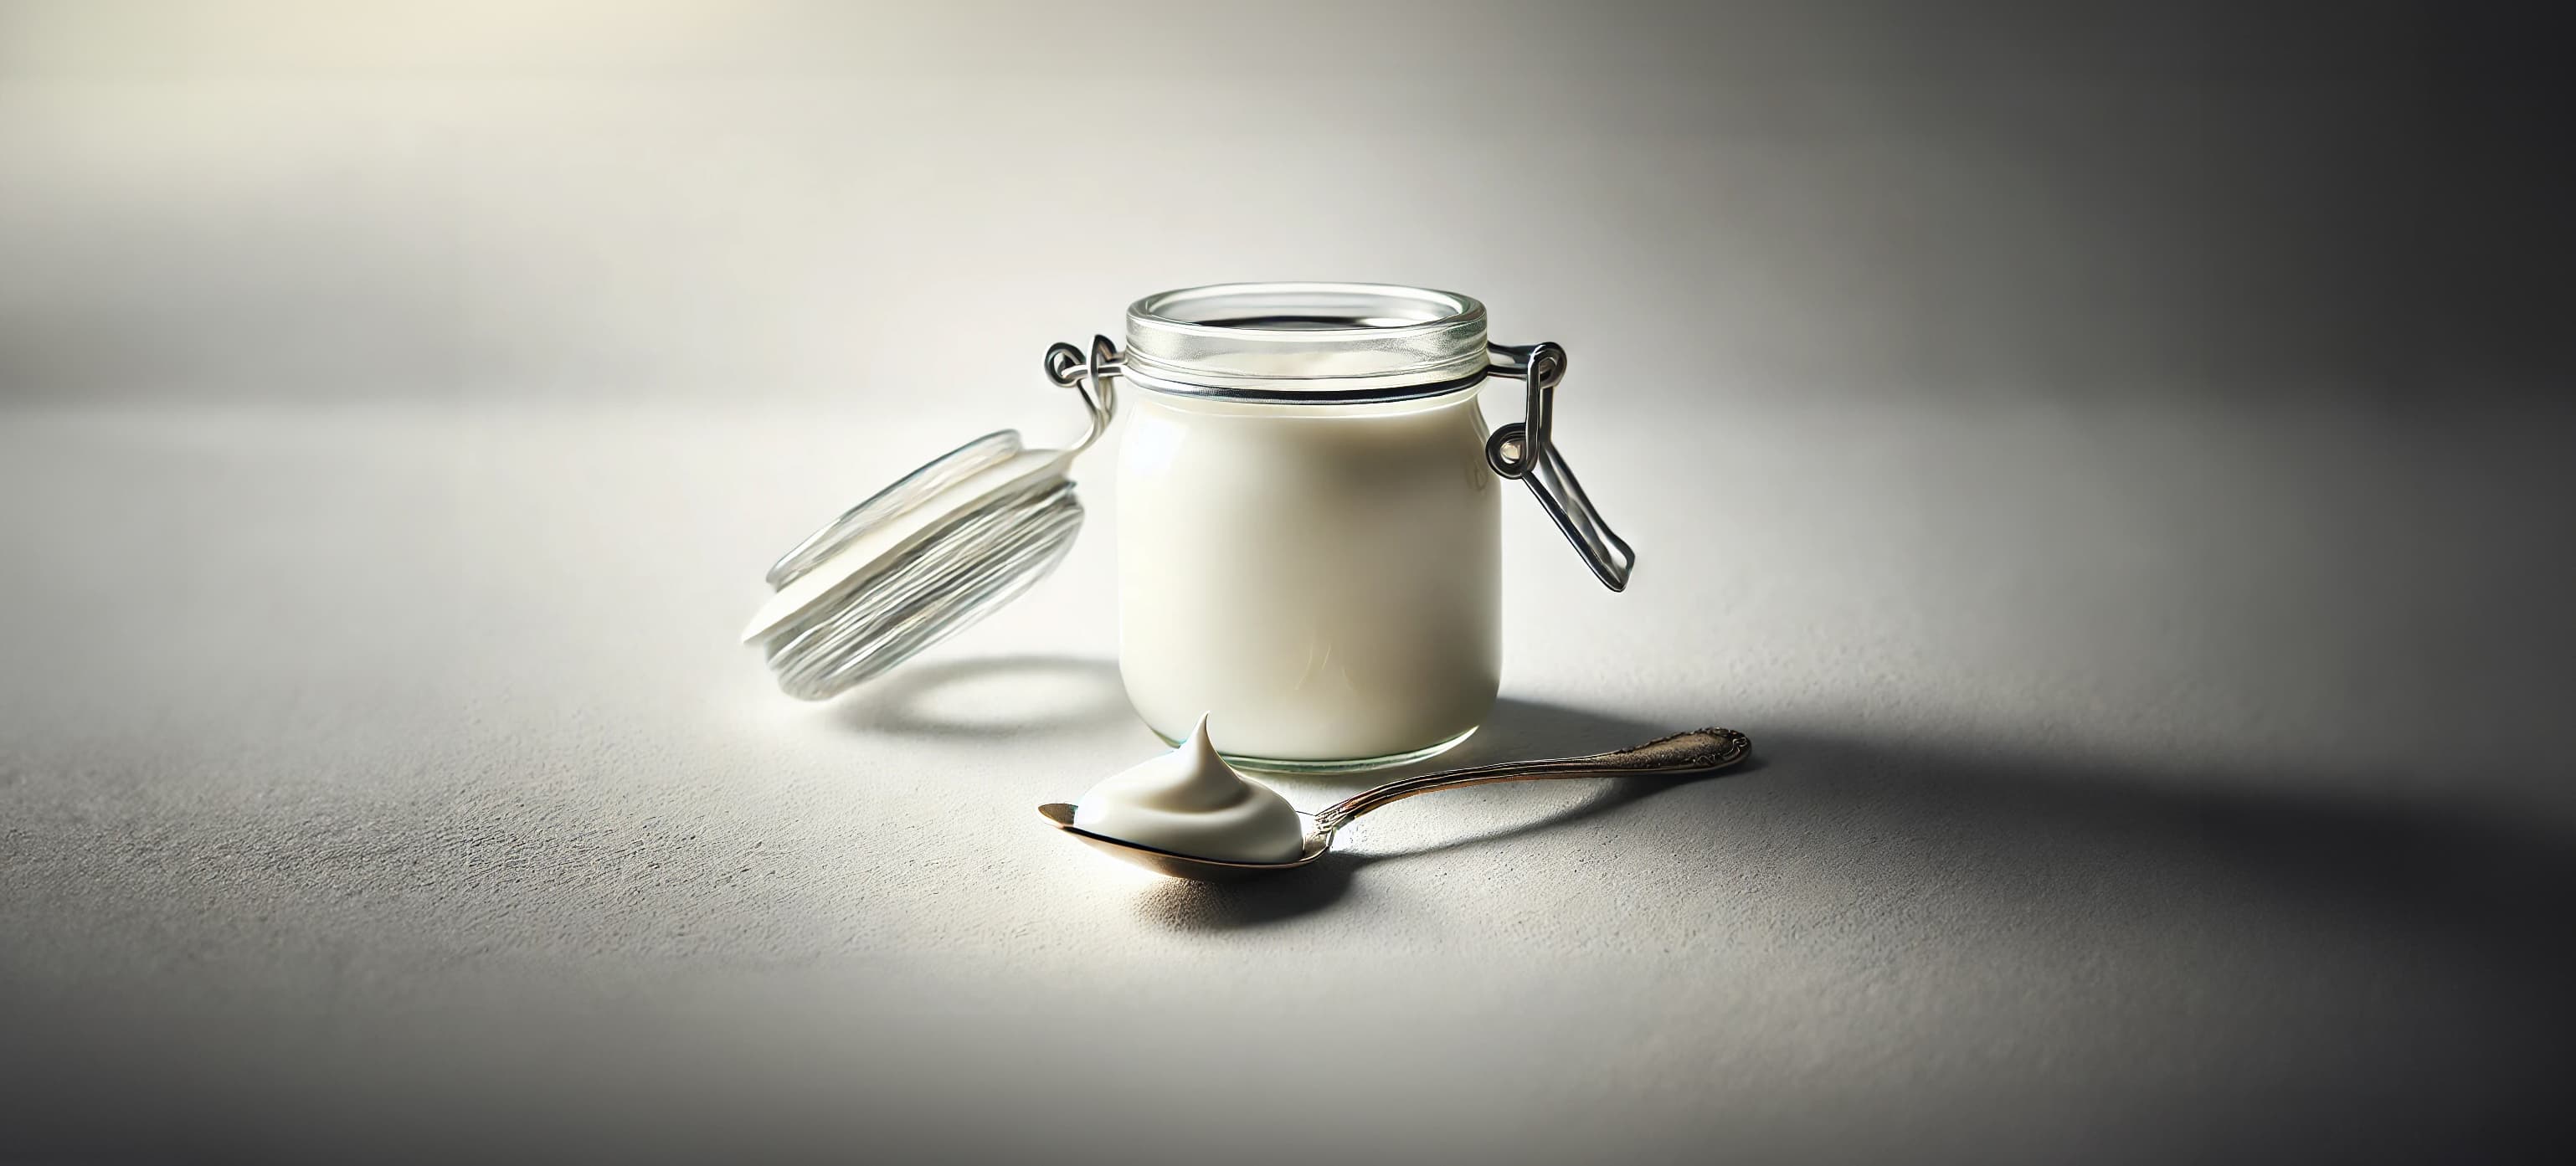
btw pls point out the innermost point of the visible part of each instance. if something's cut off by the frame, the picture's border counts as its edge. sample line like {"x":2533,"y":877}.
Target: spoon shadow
{"x":1519,"y":729}
{"x":2316,"y":930}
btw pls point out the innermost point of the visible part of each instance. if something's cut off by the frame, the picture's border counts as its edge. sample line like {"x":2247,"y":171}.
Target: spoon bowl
{"x":1698,"y":751}
{"x":1184,"y":866}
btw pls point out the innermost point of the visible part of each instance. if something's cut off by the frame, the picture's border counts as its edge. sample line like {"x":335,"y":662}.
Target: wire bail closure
{"x":1525,"y":450}
{"x":1090,"y":375}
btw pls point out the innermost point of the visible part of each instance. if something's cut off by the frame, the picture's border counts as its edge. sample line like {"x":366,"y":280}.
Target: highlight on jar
{"x":1309,"y":567}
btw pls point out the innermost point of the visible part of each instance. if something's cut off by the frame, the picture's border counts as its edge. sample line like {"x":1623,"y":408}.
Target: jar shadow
{"x":1518,"y":730}
{"x":991,"y":696}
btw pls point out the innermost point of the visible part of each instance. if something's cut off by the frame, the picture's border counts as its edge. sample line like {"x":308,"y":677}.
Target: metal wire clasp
{"x":1526,"y":450}
{"x":1090,"y":375}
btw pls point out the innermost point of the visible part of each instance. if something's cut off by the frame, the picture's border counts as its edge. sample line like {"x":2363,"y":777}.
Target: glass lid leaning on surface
{"x":926,"y":557}
{"x":1313,"y":343}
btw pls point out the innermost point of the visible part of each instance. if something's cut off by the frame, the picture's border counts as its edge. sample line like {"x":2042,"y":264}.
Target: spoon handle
{"x":1691,"y":752}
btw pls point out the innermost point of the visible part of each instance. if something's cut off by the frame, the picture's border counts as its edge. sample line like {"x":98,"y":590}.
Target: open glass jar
{"x":1308,"y":545}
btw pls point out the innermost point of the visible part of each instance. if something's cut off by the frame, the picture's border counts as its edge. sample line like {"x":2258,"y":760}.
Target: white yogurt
{"x":1189,"y":801}
{"x":1326,"y":578}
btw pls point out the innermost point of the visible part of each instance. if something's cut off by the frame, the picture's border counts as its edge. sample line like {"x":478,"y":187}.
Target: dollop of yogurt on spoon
{"x":1189,"y":801}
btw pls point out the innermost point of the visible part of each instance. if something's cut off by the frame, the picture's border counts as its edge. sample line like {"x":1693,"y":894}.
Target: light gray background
{"x":2109,"y":458}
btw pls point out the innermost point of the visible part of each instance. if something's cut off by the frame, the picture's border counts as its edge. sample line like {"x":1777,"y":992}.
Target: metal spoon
{"x":1693,"y":752}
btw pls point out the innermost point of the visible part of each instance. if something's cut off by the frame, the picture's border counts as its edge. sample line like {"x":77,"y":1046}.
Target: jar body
{"x":1323,"y":580}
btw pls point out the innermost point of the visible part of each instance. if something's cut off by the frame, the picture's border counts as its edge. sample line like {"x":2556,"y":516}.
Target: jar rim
{"x":1306,"y":342}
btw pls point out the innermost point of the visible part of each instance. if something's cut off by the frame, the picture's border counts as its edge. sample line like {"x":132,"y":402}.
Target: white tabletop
{"x":2112,"y":766}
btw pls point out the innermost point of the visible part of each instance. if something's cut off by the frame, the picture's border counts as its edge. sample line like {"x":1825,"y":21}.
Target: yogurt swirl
{"x":1189,"y":801}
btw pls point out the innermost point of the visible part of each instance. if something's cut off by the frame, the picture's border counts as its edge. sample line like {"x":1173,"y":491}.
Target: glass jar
{"x":1308,"y":537}
{"x":1315,"y":566}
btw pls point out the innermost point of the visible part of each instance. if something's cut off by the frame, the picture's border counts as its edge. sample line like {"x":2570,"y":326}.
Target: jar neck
{"x":1299,"y":342}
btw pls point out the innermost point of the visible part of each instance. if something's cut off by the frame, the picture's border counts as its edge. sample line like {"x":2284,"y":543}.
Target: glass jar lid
{"x":932,"y":554}
{"x":1306,"y":342}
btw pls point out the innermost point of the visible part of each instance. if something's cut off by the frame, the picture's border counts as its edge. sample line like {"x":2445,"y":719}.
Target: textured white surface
{"x":392,"y":774}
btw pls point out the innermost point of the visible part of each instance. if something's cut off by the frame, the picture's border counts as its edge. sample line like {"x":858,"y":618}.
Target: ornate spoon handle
{"x":1690,"y":752}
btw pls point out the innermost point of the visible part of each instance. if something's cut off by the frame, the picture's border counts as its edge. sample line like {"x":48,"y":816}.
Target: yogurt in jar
{"x":1324,"y":578}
